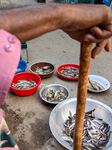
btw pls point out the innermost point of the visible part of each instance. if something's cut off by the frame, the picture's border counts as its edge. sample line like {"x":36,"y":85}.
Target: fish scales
{"x":96,"y":132}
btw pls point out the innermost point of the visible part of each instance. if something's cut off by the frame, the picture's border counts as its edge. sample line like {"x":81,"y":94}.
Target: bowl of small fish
{"x":97,"y":84}
{"x":21,"y":66}
{"x":68,"y":71}
{"x":97,"y":128}
{"x":43,"y":69}
{"x":25,"y":83}
{"x":54,"y":93}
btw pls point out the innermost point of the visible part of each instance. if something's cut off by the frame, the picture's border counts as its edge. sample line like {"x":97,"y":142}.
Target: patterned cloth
{"x":6,"y":139}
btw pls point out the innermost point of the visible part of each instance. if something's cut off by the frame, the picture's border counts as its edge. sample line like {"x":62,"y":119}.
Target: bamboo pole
{"x":85,"y":58}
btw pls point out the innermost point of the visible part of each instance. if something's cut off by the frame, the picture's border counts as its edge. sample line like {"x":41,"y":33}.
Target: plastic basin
{"x":26,"y":76}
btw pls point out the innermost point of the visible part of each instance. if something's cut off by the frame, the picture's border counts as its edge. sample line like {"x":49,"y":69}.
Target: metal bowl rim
{"x":49,"y":85}
{"x":70,"y":100}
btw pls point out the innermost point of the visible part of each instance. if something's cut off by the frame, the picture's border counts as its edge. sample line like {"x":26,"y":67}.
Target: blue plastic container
{"x":22,"y":66}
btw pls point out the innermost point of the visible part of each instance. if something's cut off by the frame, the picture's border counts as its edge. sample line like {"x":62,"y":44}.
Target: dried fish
{"x":68,"y":139}
{"x":24,"y":84}
{"x":18,"y":69}
{"x":96,"y":132}
{"x":94,"y":85}
{"x":54,"y":96}
{"x":42,"y":70}
{"x":70,"y":72}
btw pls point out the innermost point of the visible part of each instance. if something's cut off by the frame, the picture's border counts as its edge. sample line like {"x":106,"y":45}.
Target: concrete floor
{"x":28,"y":117}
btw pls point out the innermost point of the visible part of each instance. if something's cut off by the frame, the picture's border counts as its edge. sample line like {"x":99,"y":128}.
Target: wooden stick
{"x":85,"y":58}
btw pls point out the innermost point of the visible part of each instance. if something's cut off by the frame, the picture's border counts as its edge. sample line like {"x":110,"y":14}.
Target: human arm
{"x":32,"y":21}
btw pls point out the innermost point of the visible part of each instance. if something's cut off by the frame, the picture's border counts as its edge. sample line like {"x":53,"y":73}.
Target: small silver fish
{"x":18,"y":69}
{"x":24,"y":84}
{"x":70,"y":72}
{"x":42,"y":70}
{"x":54,"y":96}
{"x":96,"y":132}
{"x":94,"y":85}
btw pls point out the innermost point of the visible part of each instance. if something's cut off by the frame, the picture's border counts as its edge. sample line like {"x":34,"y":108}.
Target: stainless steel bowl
{"x":54,"y":87}
{"x":61,"y":112}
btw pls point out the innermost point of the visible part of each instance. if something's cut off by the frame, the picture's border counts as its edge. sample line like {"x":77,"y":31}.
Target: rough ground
{"x":28,"y":117}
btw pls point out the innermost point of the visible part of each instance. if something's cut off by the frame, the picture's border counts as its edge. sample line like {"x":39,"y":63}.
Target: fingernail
{"x":94,"y":56}
{"x":86,"y":40}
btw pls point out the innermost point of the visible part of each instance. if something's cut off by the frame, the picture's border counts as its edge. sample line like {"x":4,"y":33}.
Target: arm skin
{"x":32,"y":21}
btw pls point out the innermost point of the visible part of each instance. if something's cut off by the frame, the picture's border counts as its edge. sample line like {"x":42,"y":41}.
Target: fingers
{"x":97,"y":35}
{"x":102,"y":33}
{"x":100,"y":37}
{"x":91,"y":38}
{"x":106,"y":44}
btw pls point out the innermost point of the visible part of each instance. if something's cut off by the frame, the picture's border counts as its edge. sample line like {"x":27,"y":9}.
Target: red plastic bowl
{"x":67,"y":66}
{"x":26,"y":76}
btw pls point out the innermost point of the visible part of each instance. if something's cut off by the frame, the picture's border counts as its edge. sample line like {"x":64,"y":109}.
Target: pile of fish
{"x":70,"y":72}
{"x":18,"y":69}
{"x":96,"y":132}
{"x":54,"y":96}
{"x":42,"y":70}
{"x":23,"y":84}
{"x":94,"y":85}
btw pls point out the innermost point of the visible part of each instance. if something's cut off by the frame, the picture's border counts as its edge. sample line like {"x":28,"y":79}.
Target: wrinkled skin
{"x":99,"y":34}
{"x":32,"y":21}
